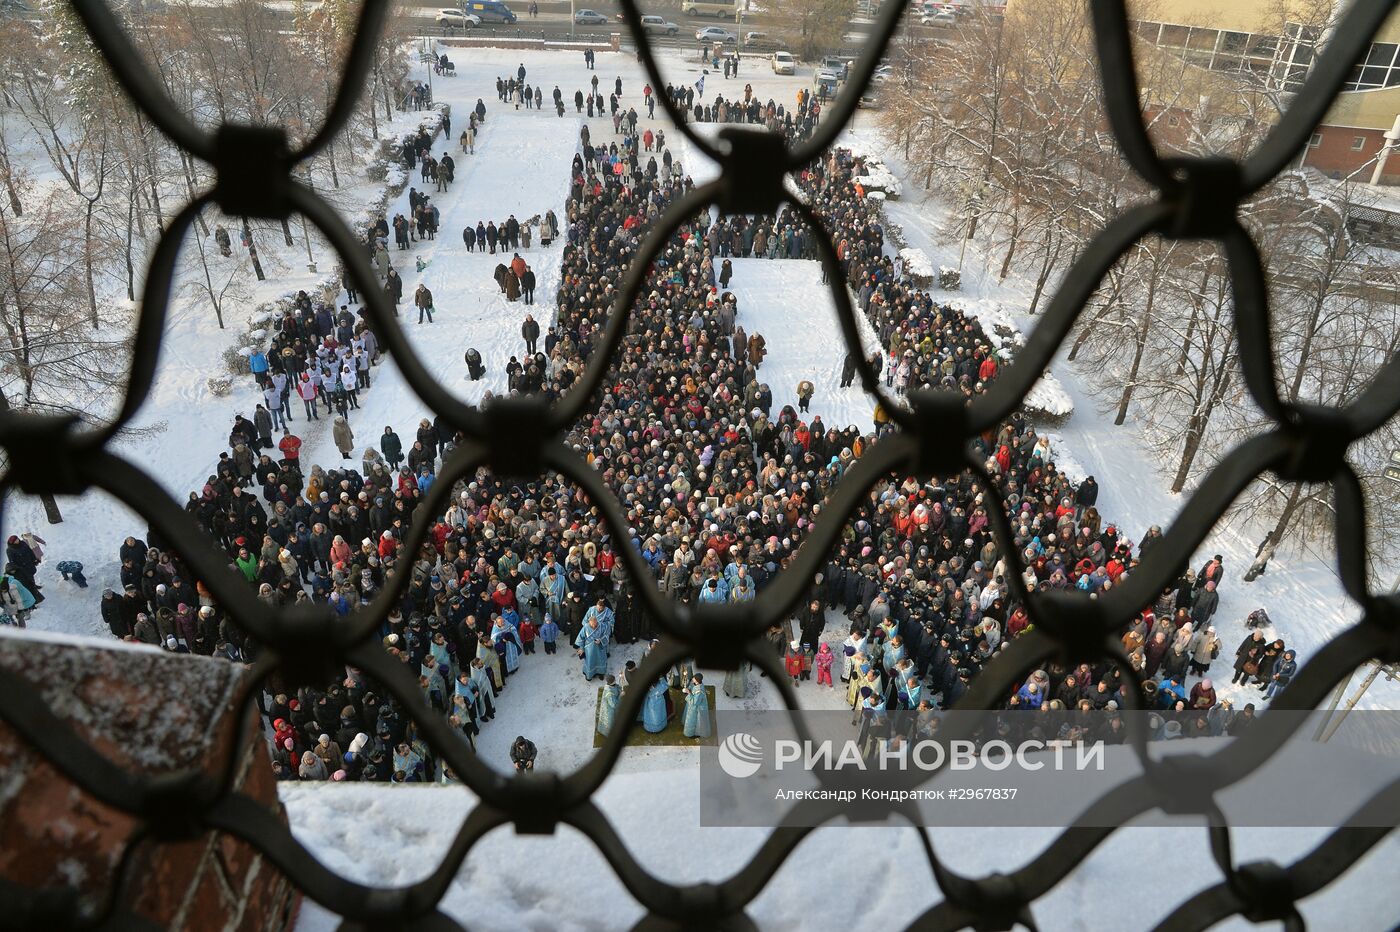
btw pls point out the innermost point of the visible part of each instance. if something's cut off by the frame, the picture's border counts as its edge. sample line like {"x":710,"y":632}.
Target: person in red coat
{"x":290,"y":445}
{"x":503,"y":597}
{"x":388,"y":546}
{"x":795,"y":662}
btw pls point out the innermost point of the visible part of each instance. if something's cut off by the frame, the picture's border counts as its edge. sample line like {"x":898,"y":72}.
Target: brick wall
{"x":146,"y":712}
{"x":1334,"y":155}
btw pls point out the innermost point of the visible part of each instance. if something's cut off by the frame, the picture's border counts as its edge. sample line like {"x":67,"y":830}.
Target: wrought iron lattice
{"x":1197,"y":198}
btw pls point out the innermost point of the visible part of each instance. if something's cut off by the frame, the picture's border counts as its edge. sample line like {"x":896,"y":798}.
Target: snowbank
{"x":879,"y":178}
{"x":396,"y":835}
{"x":918,"y":266}
{"x":1047,"y":396}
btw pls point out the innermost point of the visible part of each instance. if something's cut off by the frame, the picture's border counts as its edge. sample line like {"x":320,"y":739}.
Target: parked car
{"x":708,"y":34}
{"x":589,"y":18}
{"x":870,"y":99}
{"x":760,"y":40}
{"x":942,"y":19}
{"x":784,"y":63}
{"x":882,"y":74}
{"x":456,"y":19}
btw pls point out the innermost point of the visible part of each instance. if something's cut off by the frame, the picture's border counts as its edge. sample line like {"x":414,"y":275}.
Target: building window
{"x":1203,"y":40}
{"x":1315,"y":141}
{"x":1233,"y":41}
{"x":1381,"y":54}
{"x":1358,"y":143}
{"x":1174,"y":37}
{"x":1378,"y":69}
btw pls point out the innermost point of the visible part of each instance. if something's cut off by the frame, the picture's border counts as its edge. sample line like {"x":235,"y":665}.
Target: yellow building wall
{"x":1373,"y":109}
{"x":1239,"y":15}
{"x":1234,"y":15}
{"x":1370,"y":109}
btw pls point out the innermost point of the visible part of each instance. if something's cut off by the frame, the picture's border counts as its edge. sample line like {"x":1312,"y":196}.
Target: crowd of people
{"x":718,"y":487}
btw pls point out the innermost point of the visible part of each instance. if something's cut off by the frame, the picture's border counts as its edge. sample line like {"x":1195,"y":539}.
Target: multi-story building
{"x":1269,"y":45}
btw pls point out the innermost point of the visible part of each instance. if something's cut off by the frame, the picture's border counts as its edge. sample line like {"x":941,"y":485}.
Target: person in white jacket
{"x":351,"y":384}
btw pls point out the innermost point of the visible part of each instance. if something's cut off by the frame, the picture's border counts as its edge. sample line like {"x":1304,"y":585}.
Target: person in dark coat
{"x":1247,"y":657}
{"x":393,"y":288}
{"x":522,"y":753}
{"x":848,"y":370}
{"x":1207,"y":601}
{"x":23,"y":565}
{"x":530,"y":330}
{"x":392,"y":447}
{"x":1267,"y":662}
{"x":112,"y":614}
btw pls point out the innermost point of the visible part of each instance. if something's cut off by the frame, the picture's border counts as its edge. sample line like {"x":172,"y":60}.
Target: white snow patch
{"x":918,"y":265}
{"x":785,"y":300}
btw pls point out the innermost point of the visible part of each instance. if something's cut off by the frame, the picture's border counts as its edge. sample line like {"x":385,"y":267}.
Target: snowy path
{"x":785,"y":300}
{"x":471,"y":311}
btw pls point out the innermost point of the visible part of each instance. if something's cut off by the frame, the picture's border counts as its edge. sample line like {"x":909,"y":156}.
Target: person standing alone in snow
{"x":423,"y":298}
{"x":344,"y":437}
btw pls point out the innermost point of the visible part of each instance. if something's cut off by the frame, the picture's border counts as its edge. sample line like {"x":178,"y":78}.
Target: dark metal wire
{"x":1196,"y":199}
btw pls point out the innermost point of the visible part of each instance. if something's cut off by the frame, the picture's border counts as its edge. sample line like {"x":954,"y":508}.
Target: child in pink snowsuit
{"x":824,"y":659}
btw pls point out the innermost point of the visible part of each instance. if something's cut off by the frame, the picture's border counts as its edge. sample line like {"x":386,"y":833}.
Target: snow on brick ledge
{"x":148,"y":712}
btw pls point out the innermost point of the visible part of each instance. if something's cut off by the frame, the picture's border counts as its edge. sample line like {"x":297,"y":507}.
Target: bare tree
{"x":811,"y":28}
{"x":219,"y":283}
{"x":55,"y":361}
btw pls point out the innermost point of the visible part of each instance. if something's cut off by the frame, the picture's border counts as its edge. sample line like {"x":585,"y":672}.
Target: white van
{"x":717,"y":10}
{"x":784,"y":63}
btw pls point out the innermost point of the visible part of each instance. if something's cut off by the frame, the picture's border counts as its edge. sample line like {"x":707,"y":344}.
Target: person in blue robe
{"x":607,"y":708}
{"x":504,"y":632}
{"x":481,"y":679}
{"x":654,"y":712}
{"x":592,"y":640}
{"x":697,"y":708}
{"x":714,"y":591}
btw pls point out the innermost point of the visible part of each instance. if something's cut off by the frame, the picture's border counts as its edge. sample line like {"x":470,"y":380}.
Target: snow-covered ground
{"x":394,"y":835}
{"x":838,"y":878}
{"x":785,"y":300}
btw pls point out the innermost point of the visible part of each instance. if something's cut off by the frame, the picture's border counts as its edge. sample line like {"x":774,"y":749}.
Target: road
{"x":555,"y":22}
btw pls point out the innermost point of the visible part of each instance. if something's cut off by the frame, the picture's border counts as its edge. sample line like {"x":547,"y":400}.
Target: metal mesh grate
{"x":1197,"y":199}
